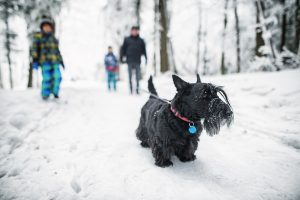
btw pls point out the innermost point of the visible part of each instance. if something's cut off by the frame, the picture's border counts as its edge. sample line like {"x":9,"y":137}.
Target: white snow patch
{"x":84,"y":147}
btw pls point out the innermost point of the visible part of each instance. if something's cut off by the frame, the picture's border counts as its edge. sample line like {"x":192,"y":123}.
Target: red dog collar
{"x":177,"y":114}
{"x":192,"y":128}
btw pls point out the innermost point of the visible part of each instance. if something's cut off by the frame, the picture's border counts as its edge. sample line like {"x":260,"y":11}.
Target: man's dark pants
{"x":137,"y":68}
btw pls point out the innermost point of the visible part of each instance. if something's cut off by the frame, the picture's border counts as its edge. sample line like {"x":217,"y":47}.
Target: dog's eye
{"x":206,"y":94}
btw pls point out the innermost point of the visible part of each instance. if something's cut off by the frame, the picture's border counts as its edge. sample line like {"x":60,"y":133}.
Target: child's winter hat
{"x":47,"y":20}
{"x":135,"y":28}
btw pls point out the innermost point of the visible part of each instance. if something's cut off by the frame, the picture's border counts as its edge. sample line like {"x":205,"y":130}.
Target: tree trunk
{"x":283,"y":27}
{"x":264,"y":29}
{"x":171,"y":53}
{"x":1,"y":83}
{"x":8,"y":46}
{"x":237,"y":28}
{"x":30,"y":70}
{"x":164,"y":57}
{"x":198,"y":53}
{"x":30,"y":76}
{"x":155,"y":35}
{"x":297,"y":36}
{"x":204,"y":60}
{"x":172,"y":57}
{"x":259,"y":39}
{"x":223,"y":67}
{"x":138,"y":12}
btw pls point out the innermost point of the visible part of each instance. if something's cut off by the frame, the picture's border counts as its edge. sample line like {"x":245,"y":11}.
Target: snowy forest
{"x":73,"y":105}
{"x":245,"y":36}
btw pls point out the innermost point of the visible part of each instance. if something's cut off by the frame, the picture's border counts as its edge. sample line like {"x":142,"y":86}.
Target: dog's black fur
{"x":168,"y":135}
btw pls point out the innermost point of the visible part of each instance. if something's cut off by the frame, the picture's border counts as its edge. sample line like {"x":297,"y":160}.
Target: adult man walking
{"x":133,"y":48}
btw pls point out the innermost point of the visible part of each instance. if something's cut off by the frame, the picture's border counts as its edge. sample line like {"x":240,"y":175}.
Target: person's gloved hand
{"x":123,"y":61}
{"x":35,"y":65}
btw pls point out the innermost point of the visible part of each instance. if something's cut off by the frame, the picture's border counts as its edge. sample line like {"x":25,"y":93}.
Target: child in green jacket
{"x":45,"y":53}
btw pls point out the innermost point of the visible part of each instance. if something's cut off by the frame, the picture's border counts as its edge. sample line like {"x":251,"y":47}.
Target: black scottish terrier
{"x":173,"y":128}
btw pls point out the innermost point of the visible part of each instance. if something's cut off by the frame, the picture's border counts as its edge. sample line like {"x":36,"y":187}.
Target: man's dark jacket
{"x":133,"y":48}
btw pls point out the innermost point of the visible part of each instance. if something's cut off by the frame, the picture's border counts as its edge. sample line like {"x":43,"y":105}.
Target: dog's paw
{"x":166,"y":163}
{"x":145,"y":144}
{"x":185,"y":159}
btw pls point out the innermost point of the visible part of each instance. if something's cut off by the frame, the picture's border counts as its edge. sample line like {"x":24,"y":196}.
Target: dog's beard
{"x":219,"y":114}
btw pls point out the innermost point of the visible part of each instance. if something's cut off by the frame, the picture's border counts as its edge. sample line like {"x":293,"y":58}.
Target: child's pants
{"x":111,"y":80}
{"x":51,"y":79}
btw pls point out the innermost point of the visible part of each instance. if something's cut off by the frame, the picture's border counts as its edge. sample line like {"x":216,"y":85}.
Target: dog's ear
{"x":198,"y":78}
{"x":179,"y":83}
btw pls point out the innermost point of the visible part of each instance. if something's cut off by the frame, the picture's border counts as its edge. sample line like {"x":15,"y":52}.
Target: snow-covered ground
{"x":84,"y":147}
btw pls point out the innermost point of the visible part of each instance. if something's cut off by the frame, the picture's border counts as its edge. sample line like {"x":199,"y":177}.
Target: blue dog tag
{"x":192,"y":129}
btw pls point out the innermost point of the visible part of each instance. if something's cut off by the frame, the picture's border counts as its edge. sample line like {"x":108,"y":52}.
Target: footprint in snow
{"x":291,"y":142}
{"x":14,"y":172}
{"x":19,"y":120}
{"x":75,"y":185}
{"x":2,"y":174}
{"x":14,"y":143}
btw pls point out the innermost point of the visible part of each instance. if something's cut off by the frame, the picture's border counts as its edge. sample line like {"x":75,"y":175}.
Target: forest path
{"x":84,"y":147}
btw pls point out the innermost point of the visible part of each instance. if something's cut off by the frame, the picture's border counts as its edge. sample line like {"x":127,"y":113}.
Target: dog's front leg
{"x":187,"y":152}
{"x":162,"y":153}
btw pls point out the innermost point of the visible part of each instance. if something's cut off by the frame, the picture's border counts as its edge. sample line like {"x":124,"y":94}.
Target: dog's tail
{"x":151,"y":87}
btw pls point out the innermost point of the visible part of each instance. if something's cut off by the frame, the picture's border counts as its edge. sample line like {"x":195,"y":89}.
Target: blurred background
{"x":206,"y":36}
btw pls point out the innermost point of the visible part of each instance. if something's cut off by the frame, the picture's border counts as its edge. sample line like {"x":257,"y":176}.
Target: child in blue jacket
{"x":111,"y":66}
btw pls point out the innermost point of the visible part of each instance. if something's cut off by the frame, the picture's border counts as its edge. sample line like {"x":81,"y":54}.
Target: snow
{"x":83,"y":146}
